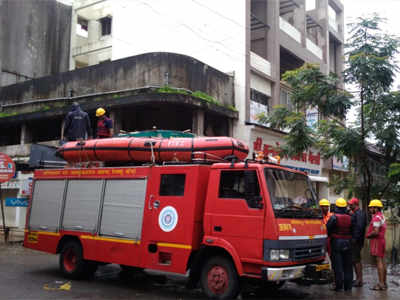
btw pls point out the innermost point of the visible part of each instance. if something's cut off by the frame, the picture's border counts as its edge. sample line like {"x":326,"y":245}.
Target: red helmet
{"x":354,"y":201}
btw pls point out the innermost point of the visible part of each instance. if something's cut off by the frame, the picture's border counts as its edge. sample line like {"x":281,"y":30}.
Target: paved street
{"x":27,"y":274}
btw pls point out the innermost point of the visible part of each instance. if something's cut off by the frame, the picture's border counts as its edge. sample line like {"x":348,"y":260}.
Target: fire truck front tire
{"x":72,"y":264}
{"x":219,"y":279}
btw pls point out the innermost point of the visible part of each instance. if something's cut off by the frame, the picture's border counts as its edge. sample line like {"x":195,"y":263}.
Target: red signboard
{"x":7,"y":168}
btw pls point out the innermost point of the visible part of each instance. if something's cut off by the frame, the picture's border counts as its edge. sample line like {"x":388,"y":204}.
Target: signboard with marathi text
{"x":7,"y":168}
{"x":309,"y":162}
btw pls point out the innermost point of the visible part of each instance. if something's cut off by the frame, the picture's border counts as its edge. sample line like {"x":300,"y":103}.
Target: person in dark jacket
{"x":76,"y":125}
{"x":359,"y":237}
{"x":340,"y":228}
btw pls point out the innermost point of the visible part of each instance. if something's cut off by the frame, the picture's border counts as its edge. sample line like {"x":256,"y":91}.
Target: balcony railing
{"x":290,"y":30}
{"x":317,"y":51}
{"x":92,"y":47}
{"x":260,"y":64}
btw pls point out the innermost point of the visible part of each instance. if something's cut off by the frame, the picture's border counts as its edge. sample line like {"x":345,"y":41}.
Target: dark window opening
{"x":259,"y":28}
{"x":215,"y":125}
{"x":158,"y":115}
{"x":83,"y":23}
{"x":105,"y":25}
{"x":172,"y":184}
{"x":240,"y":185}
{"x":258,"y":97}
{"x":43,"y":130}
{"x":10,"y":135}
{"x":289,"y":61}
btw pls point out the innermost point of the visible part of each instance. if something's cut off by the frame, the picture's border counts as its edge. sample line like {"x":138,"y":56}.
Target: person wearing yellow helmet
{"x":104,"y":124}
{"x":376,"y":235}
{"x":340,"y":230}
{"x":326,"y":214}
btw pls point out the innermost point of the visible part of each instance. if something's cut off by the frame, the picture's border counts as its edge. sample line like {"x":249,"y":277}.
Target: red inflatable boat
{"x":123,"y":149}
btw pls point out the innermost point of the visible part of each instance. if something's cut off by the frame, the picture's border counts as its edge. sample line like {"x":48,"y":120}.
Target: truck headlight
{"x":274,"y":254}
{"x":279,"y":254}
{"x":284,"y":254}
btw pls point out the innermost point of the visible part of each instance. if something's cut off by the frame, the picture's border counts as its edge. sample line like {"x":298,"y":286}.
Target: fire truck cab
{"x":218,"y":223}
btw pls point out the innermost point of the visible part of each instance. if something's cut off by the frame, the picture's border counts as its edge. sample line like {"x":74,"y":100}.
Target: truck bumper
{"x":317,"y":274}
{"x":285,"y":273}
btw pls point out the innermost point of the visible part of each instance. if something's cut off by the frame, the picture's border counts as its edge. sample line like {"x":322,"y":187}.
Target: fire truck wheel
{"x":219,"y":279}
{"x":72,"y":264}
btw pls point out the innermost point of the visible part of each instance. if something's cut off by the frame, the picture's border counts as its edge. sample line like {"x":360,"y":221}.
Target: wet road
{"x":28,"y":274}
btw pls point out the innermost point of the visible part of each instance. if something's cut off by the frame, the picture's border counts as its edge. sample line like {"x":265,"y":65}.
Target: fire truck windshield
{"x":291,"y":194}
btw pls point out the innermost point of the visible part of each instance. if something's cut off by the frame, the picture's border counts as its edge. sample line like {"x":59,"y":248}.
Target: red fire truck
{"x":216,"y":222}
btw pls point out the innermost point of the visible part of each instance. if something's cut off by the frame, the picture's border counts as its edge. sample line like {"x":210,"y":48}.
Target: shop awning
{"x":318,"y":178}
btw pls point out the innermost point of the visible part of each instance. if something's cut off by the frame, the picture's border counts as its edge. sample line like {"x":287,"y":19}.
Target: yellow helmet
{"x":324,"y":202}
{"x":375,"y":203}
{"x":100,"y":111}
{"x":340,"y":202}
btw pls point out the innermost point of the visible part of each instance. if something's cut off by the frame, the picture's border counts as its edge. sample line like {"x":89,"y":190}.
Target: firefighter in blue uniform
{"x":340,"y":228}
{"x":76,"y":125}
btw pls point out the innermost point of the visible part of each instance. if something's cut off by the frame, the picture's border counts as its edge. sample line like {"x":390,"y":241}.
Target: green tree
{"x":370,"y":70}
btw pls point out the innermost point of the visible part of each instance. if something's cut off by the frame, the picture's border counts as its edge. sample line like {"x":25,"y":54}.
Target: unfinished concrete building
{"x":209,"y":66}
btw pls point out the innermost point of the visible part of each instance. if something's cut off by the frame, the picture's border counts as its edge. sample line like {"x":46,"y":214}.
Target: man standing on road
{"x":376,"y":234}
{"x":76,"y":125}
{"x":340,"y":230}
{"x":326,"y":214}
{"x":358,"y":240}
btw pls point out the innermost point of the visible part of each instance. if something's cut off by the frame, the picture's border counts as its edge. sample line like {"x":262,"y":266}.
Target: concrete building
{"x":209,"y":66}
{"x":34,"y":39}
{"x":34,"y":42}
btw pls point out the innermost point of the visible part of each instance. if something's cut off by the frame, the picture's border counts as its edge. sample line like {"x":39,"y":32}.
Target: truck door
{"x":236,"y":213}
{"x":167,"y":240}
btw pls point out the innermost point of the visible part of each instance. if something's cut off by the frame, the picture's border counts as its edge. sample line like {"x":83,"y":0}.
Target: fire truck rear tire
{"x":72,"y":264}
{"x":219,"y":279}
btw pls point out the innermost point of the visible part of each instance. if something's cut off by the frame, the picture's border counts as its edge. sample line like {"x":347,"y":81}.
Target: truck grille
{"x":307,"y":253}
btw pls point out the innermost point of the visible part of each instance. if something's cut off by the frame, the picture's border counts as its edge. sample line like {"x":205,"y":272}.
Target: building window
{"x":105,"y":25}
{"x":285,"y":100}
{"x":231,"y":184}
{"x":258,"y":97}
{"x":82,"y":27}
{"x":172,"y":184}
{"x":258,"y":105}
{"x":240,"y":185}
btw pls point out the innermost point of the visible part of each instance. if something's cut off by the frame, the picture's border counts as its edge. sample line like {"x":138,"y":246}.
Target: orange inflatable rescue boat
{"x":140,"y":149}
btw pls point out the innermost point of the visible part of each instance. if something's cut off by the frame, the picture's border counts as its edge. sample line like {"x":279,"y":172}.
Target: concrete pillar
{"x":274,"y":49}
{"x":198,"y":122}
{"x":94,"y":28}
{"x":74,"y":22}
{"x":115,"y":117}
{"x":323,"y":34}
{"x":26,"y":136}
{"x":299,"y":18}
{"x":230,"y":127}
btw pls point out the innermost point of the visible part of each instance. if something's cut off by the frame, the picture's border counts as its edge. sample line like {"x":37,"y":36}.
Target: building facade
{"x":209,"y":66}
